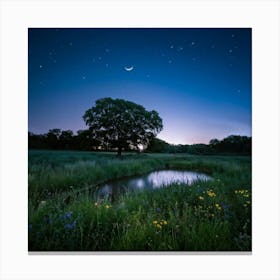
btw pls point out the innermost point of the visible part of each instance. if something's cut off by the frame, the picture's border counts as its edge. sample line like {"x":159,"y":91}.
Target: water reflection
{"x":152,"y":180}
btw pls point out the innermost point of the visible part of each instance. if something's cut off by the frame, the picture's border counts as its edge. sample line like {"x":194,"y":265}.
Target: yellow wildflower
{"x":155,"y":222}
{"x":244,"y":193}
{"x":211,"y":193}
{"x":158,"y":226}
{"x":218,"y":206}
{"x":108,"y":206}
{"x":201,"y":197}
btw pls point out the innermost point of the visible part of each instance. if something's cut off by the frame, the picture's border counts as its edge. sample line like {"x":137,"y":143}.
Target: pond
{"x":153,"y":180}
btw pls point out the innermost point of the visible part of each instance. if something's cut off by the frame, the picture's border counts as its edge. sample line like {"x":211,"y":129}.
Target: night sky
{"x":198,"y":80}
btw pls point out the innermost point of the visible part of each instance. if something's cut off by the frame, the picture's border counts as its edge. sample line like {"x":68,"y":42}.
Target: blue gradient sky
{"x":199,"y":80}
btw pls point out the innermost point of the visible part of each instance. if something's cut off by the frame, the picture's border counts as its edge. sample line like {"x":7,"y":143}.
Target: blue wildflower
{"x":225,"y":206}
{"x":67,"y":215}
{"x":227,"y":212}
{"x":158,"y":209}
{"x":71,"y":225}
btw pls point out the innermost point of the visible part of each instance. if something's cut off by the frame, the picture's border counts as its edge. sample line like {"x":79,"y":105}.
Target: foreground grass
{"x":206,"y":216}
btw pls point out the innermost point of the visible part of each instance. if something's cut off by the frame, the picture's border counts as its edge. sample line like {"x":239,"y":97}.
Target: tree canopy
{"x":122,"y":124}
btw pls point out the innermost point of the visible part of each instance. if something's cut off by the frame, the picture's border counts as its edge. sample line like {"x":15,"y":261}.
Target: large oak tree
{"x":122,"y":124}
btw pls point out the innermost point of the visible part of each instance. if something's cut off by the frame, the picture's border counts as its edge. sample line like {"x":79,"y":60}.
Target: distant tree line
{"x":57,"y":139}
{"x":233,"y":144}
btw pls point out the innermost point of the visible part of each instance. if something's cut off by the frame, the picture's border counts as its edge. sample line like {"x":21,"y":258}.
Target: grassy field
{"x":206,"y":216}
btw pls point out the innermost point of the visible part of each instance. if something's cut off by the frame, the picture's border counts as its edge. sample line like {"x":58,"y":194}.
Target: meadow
{"x":65,"y":215}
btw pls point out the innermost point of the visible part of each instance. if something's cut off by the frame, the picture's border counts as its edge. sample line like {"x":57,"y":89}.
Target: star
{"x":230,"y":50}
{"x":107,"y":50}
{"x":40,"y":66}
{"x":232,"y":35}
{"x":238,"y":90}
{"x":171,"y":47}
{"x":84,"y":77}
{"x":107,"y":65}
{"x":169,"y":61}
{"x":179,"y":48}
{"x":192,"y":43}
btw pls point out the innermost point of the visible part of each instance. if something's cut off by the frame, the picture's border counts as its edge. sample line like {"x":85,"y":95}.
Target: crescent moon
{"x":129,"y":68}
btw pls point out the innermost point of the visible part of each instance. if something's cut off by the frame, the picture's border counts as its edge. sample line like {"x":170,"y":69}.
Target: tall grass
{"x":206,"y":216}
{"x":50,"y":174}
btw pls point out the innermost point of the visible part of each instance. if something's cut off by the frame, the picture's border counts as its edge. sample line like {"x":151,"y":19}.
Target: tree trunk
{"x":119,"y":151}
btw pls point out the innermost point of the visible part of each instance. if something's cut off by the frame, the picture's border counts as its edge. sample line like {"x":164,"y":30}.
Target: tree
{"x":85,"y":141}
{"x":66,"y":139}
{"x":52,"y":138}
{"x":232,"y":144}
{"x":158,"y":146}
{"x":214,"y":142}
{"x":122,"y":124}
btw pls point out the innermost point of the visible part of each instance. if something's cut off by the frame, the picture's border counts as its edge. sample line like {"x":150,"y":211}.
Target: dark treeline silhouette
{"x":233,"y":144}
{"x":57,"y":139}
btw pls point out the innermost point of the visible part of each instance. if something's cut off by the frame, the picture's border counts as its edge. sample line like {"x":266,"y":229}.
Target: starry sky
{"x":197,"y":79}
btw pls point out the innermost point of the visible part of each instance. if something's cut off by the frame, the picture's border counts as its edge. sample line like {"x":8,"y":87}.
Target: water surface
{"x":153,"y":180}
